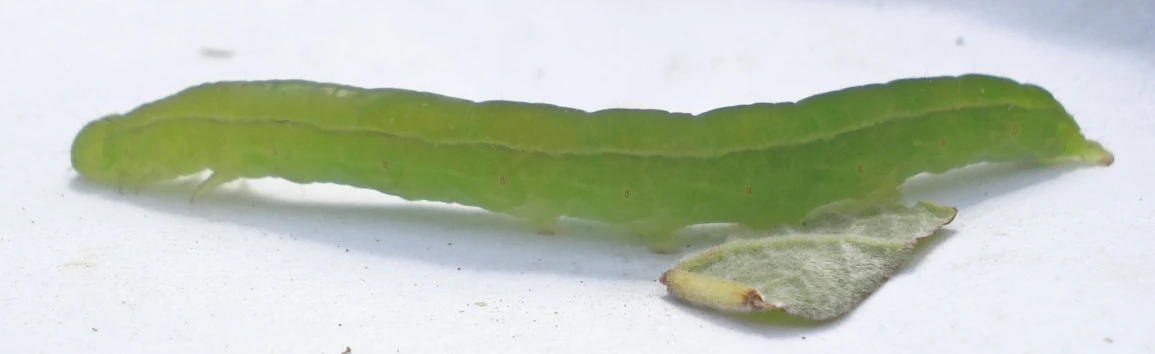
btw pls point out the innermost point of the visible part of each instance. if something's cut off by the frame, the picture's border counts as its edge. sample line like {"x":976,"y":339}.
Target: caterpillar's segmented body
{"x":651,"y":171}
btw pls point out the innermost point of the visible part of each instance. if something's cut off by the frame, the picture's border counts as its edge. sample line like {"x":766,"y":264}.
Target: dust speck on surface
{"x":347,"y":350}
{"x":1108,"y":340}
{"x":481,"y":304}
{"x":216,"y":53}
{"x":959,"y":42}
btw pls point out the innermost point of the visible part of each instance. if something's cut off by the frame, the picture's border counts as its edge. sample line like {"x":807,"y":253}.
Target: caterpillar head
{"x":88,"y":150}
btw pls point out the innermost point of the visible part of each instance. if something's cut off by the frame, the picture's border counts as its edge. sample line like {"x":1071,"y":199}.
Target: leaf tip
{"x":948,"y":213}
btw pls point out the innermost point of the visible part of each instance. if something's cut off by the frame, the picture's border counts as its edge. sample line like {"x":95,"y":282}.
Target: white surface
{"x":1040,"y":261}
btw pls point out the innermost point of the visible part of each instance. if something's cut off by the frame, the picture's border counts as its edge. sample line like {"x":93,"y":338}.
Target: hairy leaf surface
{"x":820,"y":270}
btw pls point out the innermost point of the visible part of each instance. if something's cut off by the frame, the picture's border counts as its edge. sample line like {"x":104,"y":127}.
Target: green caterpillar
{"x":651,"y":171}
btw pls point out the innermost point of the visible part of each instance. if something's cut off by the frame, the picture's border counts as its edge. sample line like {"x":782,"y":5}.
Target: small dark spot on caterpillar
{"x":501,"y":180}
{"x":942,"y":142}
{"x":385,"y":164}
{"x":748,"y":190}
{"x":274,"y":151}
{"x":1015,"y":130}
{"x":627,"y":193}
{"x":859,"y":168}
{"x":282,"y":121}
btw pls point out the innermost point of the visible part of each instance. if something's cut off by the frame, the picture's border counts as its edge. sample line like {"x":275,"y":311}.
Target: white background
{"x":1040,"y":260}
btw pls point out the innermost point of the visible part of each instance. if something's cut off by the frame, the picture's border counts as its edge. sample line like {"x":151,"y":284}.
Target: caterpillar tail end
{"x":88,"y":158}
{"x":1093,"y":152}
{"x":1082,"y":151}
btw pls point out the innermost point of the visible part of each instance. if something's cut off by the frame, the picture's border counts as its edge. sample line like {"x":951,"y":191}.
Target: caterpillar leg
{"x":215,"y":180}
{"x":120,"y":182}
{"x":135,"y":183}
{"x":854,"y":206}
{"x":657,"y":231}
{"x":541,"y":214}
{"x":658,"y":234}
{"x":545,"y":226}
{"x":661,"y":242}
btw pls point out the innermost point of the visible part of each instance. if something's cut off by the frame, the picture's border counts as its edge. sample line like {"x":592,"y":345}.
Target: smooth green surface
{"x":654,"y":172}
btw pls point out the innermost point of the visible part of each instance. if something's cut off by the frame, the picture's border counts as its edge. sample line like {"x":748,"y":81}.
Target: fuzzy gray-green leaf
{"x":819,"y":270}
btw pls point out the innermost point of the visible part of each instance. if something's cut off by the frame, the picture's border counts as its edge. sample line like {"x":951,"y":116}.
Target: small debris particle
{"x":347,"y":350}
{"x":1105,"y":339}
{"x":216,"y":53}
{"x":480,"y":304}
{"x":338,"y":325}
{"x":94,"y":330}
{"x":959,"y":41}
